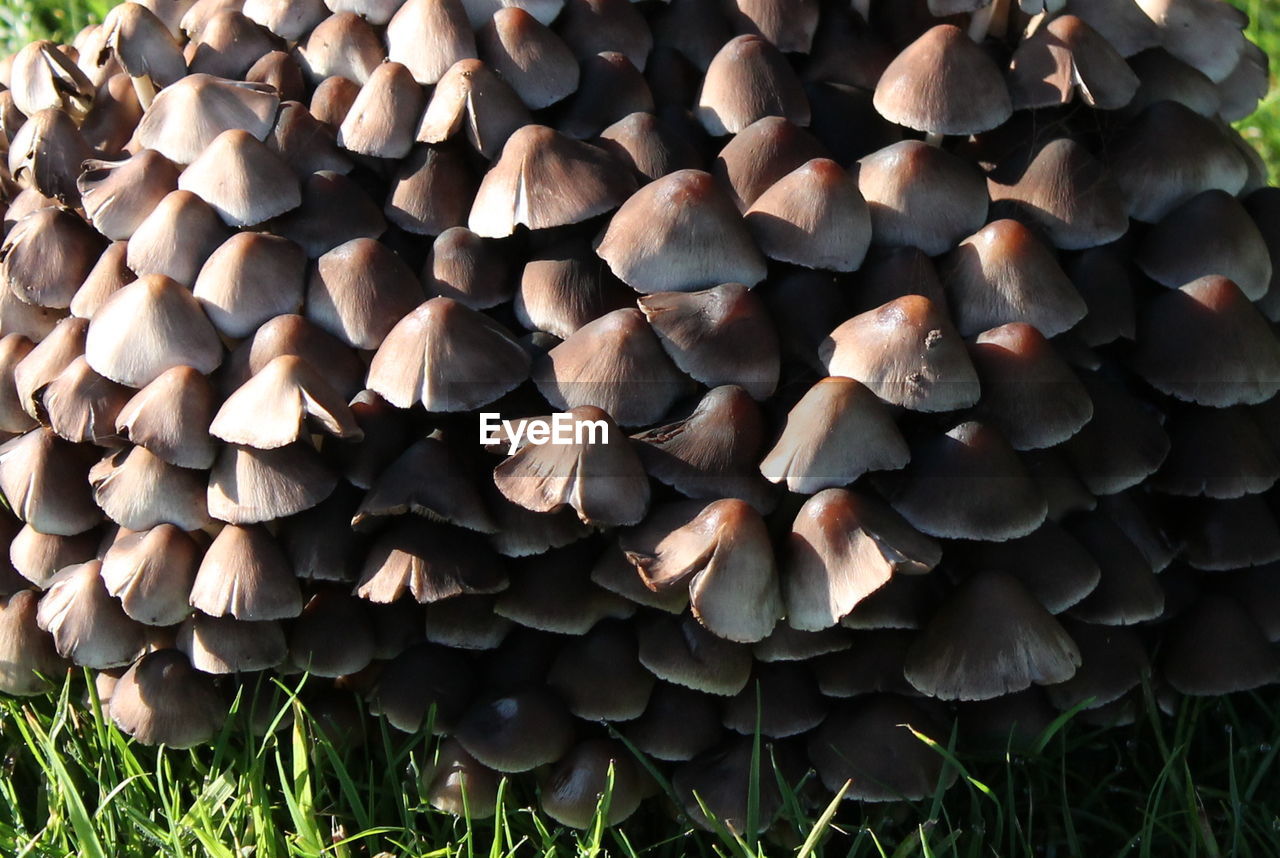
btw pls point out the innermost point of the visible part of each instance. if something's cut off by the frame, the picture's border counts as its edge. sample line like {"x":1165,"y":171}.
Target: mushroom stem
{"x":987,"y":18}
{"x":145,"y":89}
{"x":934,"y":138}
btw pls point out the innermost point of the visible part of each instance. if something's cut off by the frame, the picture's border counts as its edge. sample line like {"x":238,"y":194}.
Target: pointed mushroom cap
{"x":242,"y":179}
{"x":42,"y":77}
{"x":176,"y":238}
{"x":88,"y":626}
{"x":599,"y":675}
{"x":45,"y":155}
{"x":990,"y":638}
{"x":50,"y":357}
{"x":757,"y":157}
{"x":581,"y":779}
{"x":717,"y":336}
{"x":943,"y":83}
{"x":38,"y":556}
{"x":455,"y":782}
{"x":226,"y":645}
{"x":427,"y":479}
{"x":46,"y":256}
{"x":921,"y":196}
{"x":1054,"y":567}
{"x":449,"y":357}
{"x":138,"y":490}
{"x":432,"y":190}
{"x":1216,"y":649}
{"x":1216,"y":452}
{"x":186,"y":117}
{"x":383,"y":120}
{"x":151,"y":573}
{"x":615,"y":363}
{"x":106,"y":277}
{"x":544,"y":179}
{"x":170,"y":417}
{"x":1205,"y":343}
{"x":149,"y":326}
{"x":532,"y":58}
{"x":13,"y":416}
{"x":246,"y":575}
{"x":230,"y":286}
{"x":279,"y":404}
{"x":564,"y":286}
{"x":838,"y":431}
{"x":473,"y":98}
{"x":359,"y":291}
{"x":907,"y":353}
{"x":679,"y":650}
{"x":1064,"y":57}
{"x":342,"y":45}
{"x":749,"y":79}
{"x":430,"y":561}
{"x":118,"y":195}
{"x":27,"y":654}
{"x":80,"y":405}
{"x":517,"y":733}
{"x":553,"y":592}
{"x":967,"y":484}
{"x":428,"y":37}
{"x":680,"y":233}
{"x":306,"y":142}
{"x":294,"y":335}
{"x":248,"y":485}
{"x":814,"y":216}
{"x":842,"y":548}
{"x":649,"y":145}
{"x":1205,"y":35}
{"x":44,"y":483}
{"x":162,"y":700}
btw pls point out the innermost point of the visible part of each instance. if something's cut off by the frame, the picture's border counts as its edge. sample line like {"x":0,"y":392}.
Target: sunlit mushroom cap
{"x":342,"y":45}
{"x":42,"y":77}
{"x":162,"y":700}
{"x":536,"y":62}
{"x":359,"y":290}
{"x":749,"y":78}
{"x":118,"y":195}
{"x":242,"y":179}
{"x":151,"y":573}
{"x":176,"y":238}
{"x":758,"y":156}
{"x":187,"y":116}
{"x":88,"y":626}
{"x":429,"y":561}
{"x":1064,"y":58}
{"x":427,"y":479}
{"x":248,"y":486}
{"x":472,"y":98}
{"x":44,"y":480}
{"x":27,"y":654}
{"x":37,"y":556}
{"x":143,"y":45}
{"x":222,"y":645}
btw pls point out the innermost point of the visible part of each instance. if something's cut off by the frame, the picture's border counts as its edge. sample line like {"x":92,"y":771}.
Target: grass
{"x":1201,"y":783}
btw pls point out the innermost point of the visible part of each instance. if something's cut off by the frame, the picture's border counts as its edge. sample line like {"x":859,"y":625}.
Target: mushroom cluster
{"x":925,"y":351}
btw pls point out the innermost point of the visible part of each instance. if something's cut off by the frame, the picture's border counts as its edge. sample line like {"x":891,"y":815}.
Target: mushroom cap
{"x":516,"y":733}
{"x":748,"y":79}
{"x":162,"y":700}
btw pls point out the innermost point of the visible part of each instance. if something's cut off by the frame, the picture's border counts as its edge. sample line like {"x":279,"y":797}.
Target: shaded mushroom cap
{"x":990,"y":638}
{"x":46,"y":153}
{"x":42,"y":77}
{"x":1113,"y":661}
{"x":1028,"y":392}
{"x":842,"y":548}
{"x":1211,"y":233}
{"x":44,"y":483}
{"x":680,"y":233}
{"x":1054,"y":567}
{"x":138,"y":490}
{"x":176,"y":238}
{"x":88,"y":626}
{"x":544,"y":179}
{"x":723,"y":555}
{"x":517,"y":733}
{"x":80,"y":405}
{"x":578,"y":785}
{"x":1247,"y":84}
{"x":943,"y":83}
{"x":162,"y":700}
{"x":695,"y":30}
{"x":359,"y":291}
{"x":749,"y":79}
{"x":1216,"y":452}
{"x":281,"y":72}
{"x":455,"y":782}
{"x":331,"y":101}
{"x":1121,"y":445}
{"x":118,"y":195}
{"x":615,"y":363}
{"x":838,"y":431}
{"x":1014,"y":722}
{"x":243,"y":180}
{"x":447,"y":356}
{"x":758,"y":156}
{"x":872,"y":663}
{"x":589,"y":27}
{"x":432,"y":191}
{"x":1205,"y":343}
{"x":921,"y":196}
{"x":116,"y":112}
{"x":1262,"y":205}
{"x":151,"y":573}
{"x":610,"y":89}
{"x":342,"y":45}
{"x":788,"y":644}
{"x":967,"y":484}
{"x":522,"y":532}
{"x":713,"y":452}
{"x":223,"y":645}
{"x":467,"y":268}
{"x":717,"y":336}
{"x":1066,"y":57}
{"x":680,"y":650}
{"x":1134,"y":514}
{"x":1221,"y":535}
{"x":678,"y":724}
{"x":1216,"y":649}
{"x":294,"y":335}
{"x":428,"y":37}
{"x":248,"y":486}
{"x":907,"y":353}
{"x":1253,"y":589}
{"x":228,"y":45}
{"x":466,"y":622}
{"x":29,"y":320}
{"x":28,"y":658}
{"x":429,"y":561}
{"x":187,"y":116}
{"x":46,"y":256}
{"x":308,"y":144}
{"x":315,"y":648}
{"x":13,"y":416}
{"x":278,"y":406}
{"x":320,"y":541}
{"x":38,"y":556}
{"x":1168,"y":154}
{"x":539,"y":66}
{"x":1124,"y":24}
{"x":170,"y":417}
{"x":147,"y":327}
{"x":597,"y":471}
{"x":230,"y":287}
{"x":1163,"y":77}
{"x":649,"y":145}
{"x":791,"y":28}
{"x":814,"y":216}
{"x":1206,"y":35}
{"x":427,"y":479}
{"x":474,"y":99}
{"x":107,"y":276}
{"x":599,"y":675}
{"x":1128,"y":591}
{"x":424,"y":685}
{"x":50,"y":357}
{"x":719,"y":781}
{"x":781,"y":700}
{"x":383,"y":120}
{"x":1065,"y":192}
{"x":564,"y":286}
{"x":553,"y":592}
{"x":1003,"y":274}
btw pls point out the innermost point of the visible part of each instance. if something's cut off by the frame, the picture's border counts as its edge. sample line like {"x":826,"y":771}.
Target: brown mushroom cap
{"x":748,"y":79}
{"x":1216,"y":649}
{"x":1066,"y":57}
{"x":162,"y":700}
{"x":516,"y":733}
{"x":27,"y":654}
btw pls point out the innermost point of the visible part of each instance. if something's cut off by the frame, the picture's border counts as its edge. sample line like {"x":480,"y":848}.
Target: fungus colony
{"x":931,"y":347}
